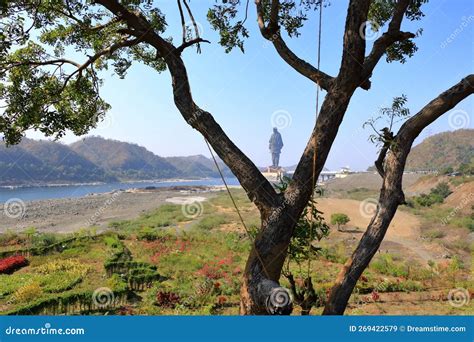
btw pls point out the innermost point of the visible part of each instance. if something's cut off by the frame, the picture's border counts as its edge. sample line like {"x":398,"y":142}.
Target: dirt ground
{"x":461,"y":199}
{"x":72,"y":214}
{"x":403,"y":234}
{"x":369,"y":180}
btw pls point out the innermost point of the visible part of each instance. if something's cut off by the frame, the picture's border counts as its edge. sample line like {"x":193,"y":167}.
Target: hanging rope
{"x":237,"y":209}
{"x":315,"y":141}
{"x":313,"y":180}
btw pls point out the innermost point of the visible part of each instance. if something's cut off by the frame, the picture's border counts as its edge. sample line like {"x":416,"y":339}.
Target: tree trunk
{"x":391,"y":194}
{"x":390,"y":197}
{"x":261,"y":293}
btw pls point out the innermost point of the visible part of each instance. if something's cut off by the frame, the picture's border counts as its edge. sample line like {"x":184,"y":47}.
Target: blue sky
{"x":244,"y":91}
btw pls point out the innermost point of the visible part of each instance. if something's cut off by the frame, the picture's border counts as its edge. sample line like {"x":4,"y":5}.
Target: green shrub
{"x":211,"y":222}
{"x":336,"y":254}
{"x":385,"y":264}
{"x":8,"y":237}
{"x":10,"y":283}
{"x":339,"y":219}
{"x":442,"y":190}
{"x":43,"y":240}
{"x":436,"y":195}
{"x":148,"y":234}
{"x":399,"y":286}
{"x":27,"y":293}
{"x":434,"y":234}
{"x":112,"y":241}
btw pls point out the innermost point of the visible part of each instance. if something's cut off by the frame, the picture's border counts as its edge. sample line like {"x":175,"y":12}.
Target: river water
{"x":66,"y":191}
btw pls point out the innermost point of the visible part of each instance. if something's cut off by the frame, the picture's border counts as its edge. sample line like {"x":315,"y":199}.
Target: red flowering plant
{"x":11,"y":264}
{"x":167,"y":299}
{"x":162,"y":248}
{"x":223,"y":273}
{"x":375,"y":295}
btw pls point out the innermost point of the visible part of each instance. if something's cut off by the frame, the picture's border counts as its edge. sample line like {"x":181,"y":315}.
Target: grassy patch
{"x":212,"y":221}
{"x":166,"y":215}
{"x":434,"y":234}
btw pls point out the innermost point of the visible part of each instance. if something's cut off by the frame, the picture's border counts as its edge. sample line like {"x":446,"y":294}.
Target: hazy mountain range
{"x":95,"y":159}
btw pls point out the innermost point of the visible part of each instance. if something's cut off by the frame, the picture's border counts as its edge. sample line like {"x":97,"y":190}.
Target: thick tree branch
{"x":183,"y":24}
{"x":391,"y":194}
{"x":258,"y":188}
{"x":353,"y":52}
{"x":272,"y":33}
{"x":392,"y":35}
{"x":59,"y":61}
{"x":380,"y":160}
{"x":189,"y":43}
{"x":304,"y":68}
{"x":437,"y":107}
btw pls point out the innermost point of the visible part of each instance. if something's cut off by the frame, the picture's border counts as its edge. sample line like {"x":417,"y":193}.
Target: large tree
{"x":43,"y":87}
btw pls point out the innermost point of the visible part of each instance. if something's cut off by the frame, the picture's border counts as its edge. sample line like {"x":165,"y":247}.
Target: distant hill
{"x":125,"y":161}
{"x":198,"y":166}
{"x":95,"y":159}
{"x":35,"y":162}
{"x":133,"y":162}
{"x":447,"y":149}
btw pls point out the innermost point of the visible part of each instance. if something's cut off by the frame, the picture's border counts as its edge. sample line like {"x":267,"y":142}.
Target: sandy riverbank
{"x":98,"y":210}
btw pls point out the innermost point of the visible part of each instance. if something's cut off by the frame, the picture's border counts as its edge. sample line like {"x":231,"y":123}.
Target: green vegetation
{"x":434,"y":234}
{"x":195,"y":269}
{"x":166,"y":215}
{"x":436,"y":195}
{"x":444,"y":152}
{"x":339,"y":219}
{"x":55,"y":276}
{"x":212,"y":221}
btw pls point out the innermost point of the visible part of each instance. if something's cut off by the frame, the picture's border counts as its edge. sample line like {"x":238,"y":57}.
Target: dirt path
{"x":403,"y":232}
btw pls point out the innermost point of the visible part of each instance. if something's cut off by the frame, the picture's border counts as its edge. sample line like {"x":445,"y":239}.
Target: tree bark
{"x":391,"y":194}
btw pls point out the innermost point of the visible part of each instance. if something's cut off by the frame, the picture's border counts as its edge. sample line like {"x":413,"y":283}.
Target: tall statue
{"x":275,"y":146}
